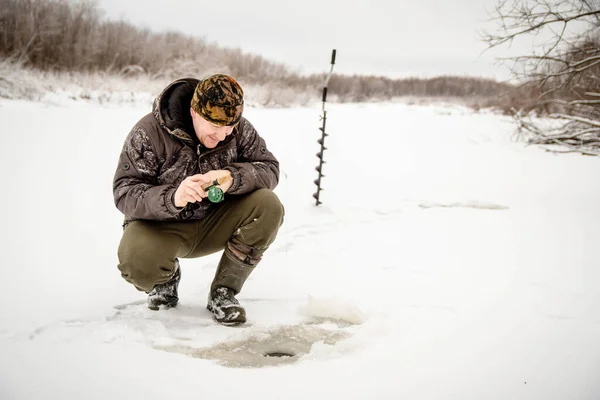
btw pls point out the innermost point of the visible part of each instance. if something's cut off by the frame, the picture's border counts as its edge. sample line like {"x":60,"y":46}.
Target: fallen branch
{"x":575,"y":118}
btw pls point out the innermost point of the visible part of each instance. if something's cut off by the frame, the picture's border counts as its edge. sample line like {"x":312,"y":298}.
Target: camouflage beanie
{"x":219,"y":99}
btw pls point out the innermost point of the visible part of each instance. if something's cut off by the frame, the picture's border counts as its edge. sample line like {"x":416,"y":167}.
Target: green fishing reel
{"x":215,"y":194}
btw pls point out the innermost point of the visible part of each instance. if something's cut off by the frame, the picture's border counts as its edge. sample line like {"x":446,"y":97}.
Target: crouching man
{"x":196,"y":142}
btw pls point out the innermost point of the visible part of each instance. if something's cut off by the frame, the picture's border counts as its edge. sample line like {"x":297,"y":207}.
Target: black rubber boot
{"x":225,"y":307}
{"x":165,"y":294}
{"x":229,"y":279}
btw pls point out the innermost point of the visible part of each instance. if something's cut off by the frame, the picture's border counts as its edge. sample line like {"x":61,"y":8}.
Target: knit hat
{"x":219,"y":99}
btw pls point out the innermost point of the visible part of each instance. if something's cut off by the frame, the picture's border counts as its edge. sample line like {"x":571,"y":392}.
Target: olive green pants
{"x":244,"y":226}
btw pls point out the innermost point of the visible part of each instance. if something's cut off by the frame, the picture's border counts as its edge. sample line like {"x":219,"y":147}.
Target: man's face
{"x":208,"y":133}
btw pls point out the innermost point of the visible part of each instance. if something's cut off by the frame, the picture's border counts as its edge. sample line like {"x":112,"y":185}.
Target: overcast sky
{"x":397,"y":38}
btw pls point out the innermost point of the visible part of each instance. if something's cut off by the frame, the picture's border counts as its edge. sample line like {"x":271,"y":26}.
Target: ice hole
{"x":278,"y":346}
{"x":278,"y":354}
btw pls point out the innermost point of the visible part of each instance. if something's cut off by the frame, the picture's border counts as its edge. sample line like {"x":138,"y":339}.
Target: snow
{"x":448,"y":261}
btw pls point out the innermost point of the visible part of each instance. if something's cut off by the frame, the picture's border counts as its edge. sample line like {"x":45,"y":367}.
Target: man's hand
{"x":220,"y":173}
{"x":190,"y":190}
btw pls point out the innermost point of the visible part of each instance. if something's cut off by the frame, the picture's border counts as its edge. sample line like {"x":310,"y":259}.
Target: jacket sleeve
{"x":257,"y":167}
{"x":135,"y":189}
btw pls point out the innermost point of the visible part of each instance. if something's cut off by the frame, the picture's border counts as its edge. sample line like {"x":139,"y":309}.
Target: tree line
{"x":74,"y":36}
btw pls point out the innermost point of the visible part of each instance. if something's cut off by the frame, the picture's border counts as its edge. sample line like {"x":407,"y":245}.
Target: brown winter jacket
{"x":162,"y":150}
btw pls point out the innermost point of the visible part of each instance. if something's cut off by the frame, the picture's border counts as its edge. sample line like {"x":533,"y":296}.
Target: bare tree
{"x":565,"y":67}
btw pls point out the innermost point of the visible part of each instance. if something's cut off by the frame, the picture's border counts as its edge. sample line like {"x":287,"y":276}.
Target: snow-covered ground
{"x":447,"y":262}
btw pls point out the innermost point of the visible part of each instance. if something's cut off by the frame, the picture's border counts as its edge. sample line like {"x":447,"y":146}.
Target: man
{"x":194,"y":138}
